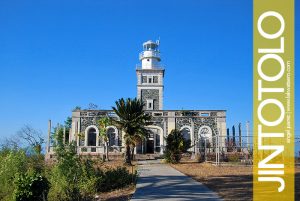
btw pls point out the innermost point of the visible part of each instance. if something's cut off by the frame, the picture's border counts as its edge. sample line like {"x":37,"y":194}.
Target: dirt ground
{"x":116,"y":163}
{"x":297,"y":182}
{"x":123,"y":194}
{"x":118,"y":195}
{"x":230,"y":182}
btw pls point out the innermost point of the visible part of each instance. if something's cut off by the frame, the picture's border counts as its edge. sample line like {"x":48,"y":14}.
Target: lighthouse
{"x":150,"y":77}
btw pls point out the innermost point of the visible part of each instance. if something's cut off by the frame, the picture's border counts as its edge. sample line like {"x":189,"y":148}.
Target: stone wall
{"x":151,"y":94}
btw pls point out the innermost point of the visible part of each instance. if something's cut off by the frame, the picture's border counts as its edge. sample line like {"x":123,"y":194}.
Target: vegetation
{"x":25,"y":176}
{"x":32,"y":137}
{"x":103,"y":123}
{"x":133,"y":121}
{"x":31,"y":186}
{"x":176,"y":145}
{"x":75,"y":178}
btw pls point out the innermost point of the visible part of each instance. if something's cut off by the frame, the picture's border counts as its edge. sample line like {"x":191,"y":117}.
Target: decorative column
{"x":49,"y":133}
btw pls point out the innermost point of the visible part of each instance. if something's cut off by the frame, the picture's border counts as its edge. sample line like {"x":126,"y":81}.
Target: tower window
{"x":155,"y":79}
{"x":150,"y":80}
{"x":148,"y":60}
{"x":144,"y":79}
{"x":150,"y":104}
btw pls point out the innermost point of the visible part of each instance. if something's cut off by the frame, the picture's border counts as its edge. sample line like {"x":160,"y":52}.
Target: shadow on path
{"x":162,"y":182}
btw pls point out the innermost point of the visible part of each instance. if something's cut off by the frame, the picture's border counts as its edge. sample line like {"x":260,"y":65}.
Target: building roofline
{"x":106,"y":110}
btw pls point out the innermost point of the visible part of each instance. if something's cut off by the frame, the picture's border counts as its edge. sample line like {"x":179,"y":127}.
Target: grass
{"x":230,"y":182}
{"x":119,"y":194}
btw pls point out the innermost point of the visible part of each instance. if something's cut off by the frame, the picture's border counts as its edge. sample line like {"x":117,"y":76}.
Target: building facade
{"x":197,"y":125}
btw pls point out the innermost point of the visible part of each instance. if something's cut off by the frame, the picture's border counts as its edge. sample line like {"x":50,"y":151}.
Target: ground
{"x":297,"y":182}
{"x":230,"y":182}
{"x":119,"y":194}
{"x":159,"y":181}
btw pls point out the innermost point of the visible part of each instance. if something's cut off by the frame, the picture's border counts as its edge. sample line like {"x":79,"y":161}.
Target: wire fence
{"x":233,"y":149}
{"x":226,"y":149}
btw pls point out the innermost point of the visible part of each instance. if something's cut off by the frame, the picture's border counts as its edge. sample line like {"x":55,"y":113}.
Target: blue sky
{"x":55,"y":55}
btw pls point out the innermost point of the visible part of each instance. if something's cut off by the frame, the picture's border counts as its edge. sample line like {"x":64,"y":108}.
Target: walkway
{"x":161,"y":182}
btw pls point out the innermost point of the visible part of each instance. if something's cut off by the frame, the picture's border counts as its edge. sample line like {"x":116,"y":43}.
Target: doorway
{"x":150,"y":147}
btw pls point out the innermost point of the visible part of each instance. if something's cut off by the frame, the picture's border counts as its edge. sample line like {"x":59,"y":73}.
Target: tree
{"x":240,"y":137}
{"x":9,"y":144}
{"x":68,"y":123}
{"x":133,"y":121}
{"x":68,"y":126}
{"x":33,"y":137}
{"x":233,"y":135}
{"x":76,"y":108}
{"x":92,"y":106}
{"x":176,"y":145}
{"x":31,"y":186}
{"x":103,"y":123}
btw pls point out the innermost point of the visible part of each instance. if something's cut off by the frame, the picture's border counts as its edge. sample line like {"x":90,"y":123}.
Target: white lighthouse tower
{"x":150,"y":75}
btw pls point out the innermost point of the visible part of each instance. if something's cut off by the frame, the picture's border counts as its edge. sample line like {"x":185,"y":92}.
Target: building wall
{"x":163,"y":119}
{"x":150,"y":90}
{"x":150,"y":94}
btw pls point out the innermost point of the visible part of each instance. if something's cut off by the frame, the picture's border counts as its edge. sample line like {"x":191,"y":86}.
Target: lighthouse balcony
{"x":150,"y":67}
{"x":149,"y":54}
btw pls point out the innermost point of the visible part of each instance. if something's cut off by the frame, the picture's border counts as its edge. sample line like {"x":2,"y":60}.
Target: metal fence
{"x":223,"y":148}
{"x":233,"y":149}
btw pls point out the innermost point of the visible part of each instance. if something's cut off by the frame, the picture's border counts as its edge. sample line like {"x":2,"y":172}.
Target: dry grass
{"x":118,"y":195}
{"x":297,"y":182}
{"x":116,"y":163}
{"x":230,"y":182}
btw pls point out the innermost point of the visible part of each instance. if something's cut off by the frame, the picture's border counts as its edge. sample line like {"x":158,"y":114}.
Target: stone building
{"x":197,"y":125}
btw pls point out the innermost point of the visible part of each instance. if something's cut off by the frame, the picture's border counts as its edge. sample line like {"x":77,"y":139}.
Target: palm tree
{"x":133,"y":121}
{"x":103,"y":123}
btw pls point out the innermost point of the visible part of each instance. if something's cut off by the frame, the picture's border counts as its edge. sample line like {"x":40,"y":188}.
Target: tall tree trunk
{"x":127,"y":160}
{"x":132,"y":152}
{"x":106,"y":151}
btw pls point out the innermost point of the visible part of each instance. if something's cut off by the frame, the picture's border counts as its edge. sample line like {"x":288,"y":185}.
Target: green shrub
{"x":12,"y":163}
{"x":114,"y":179}
{"x":31,"y":186}
{"x":176,"y":145}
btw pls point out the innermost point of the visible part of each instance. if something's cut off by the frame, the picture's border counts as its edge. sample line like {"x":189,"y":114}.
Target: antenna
{"x":158,"y":41}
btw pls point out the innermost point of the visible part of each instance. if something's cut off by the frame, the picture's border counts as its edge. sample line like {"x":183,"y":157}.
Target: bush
{"x":114,"y":179}
{"x":24,"y":176}
{"x":31,"y":186}
{"x":12,"y":163}
{"x":234,"y":157}
{"x":176,"y":145}
{"x":199,"y":158}
{"x":71,"y":178}
{"x":74,"y":178}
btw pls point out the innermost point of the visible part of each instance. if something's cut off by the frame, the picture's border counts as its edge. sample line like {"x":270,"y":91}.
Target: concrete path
{"x":161,"y":182}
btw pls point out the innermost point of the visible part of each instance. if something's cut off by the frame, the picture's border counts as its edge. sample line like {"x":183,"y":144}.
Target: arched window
{"x":205,"y":137}
{"x":111,"y":133}
{"x":92,"y":137}
{"x":205,"y":132}
{"x":186,"y":133}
